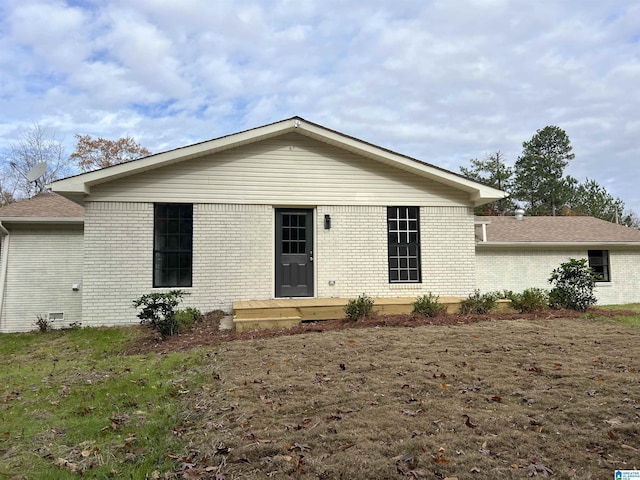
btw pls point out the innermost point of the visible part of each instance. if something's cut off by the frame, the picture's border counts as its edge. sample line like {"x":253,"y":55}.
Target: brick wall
{"x":353,"y":253}
{"x":232,"y":258}
{"x":233,"y":255}
{"x":518,"y":270}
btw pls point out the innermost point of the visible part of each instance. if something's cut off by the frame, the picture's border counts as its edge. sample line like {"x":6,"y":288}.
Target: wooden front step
{"x":284,"y":313}
{"x":245,"y":324}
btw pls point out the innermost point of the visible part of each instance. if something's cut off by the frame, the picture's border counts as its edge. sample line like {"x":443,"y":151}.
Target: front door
{"x":294,"y":252}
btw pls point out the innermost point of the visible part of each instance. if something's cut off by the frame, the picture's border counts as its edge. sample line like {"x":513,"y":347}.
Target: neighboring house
{"x":518,"y":254}
{"x":41,"y":262}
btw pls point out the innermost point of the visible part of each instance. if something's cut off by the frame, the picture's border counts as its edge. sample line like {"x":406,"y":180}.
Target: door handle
{"x":311,"y":255}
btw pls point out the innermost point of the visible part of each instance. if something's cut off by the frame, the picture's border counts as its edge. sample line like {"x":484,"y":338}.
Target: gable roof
{"x":44,"y":207}
{"x":559,"y":231}
{"x":79,"y":186}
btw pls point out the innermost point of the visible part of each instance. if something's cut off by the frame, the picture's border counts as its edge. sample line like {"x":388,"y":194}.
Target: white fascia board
{"x":551,"y":245}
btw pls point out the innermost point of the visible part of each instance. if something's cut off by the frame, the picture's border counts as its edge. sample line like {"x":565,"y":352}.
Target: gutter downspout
{"x":3,"y":272}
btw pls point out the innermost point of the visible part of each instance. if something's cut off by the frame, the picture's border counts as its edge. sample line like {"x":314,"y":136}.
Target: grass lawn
{"x":487,"y":400}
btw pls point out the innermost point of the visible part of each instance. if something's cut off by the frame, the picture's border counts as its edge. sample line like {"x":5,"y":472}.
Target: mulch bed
{"x":207,"y":332}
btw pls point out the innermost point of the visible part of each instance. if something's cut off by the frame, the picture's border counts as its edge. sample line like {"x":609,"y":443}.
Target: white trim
{"x":3,"y":272}
{"x":57,"y":220}
{"x":603,"y":245}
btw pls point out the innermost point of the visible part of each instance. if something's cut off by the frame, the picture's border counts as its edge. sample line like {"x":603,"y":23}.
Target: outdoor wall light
{"x":327,"y":222}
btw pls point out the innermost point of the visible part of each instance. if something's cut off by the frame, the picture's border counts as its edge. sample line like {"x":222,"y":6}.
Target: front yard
{"x":509,"y":398}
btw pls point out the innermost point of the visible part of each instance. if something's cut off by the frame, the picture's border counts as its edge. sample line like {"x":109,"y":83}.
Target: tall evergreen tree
{"x":540,"y":183}
{"x":494,"y":172}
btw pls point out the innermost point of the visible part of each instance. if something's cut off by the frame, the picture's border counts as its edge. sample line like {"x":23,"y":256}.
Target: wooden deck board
{"x":287,"y":312}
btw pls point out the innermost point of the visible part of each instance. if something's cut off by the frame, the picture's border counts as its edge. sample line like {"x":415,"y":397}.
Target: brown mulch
{"x":207,"y":333}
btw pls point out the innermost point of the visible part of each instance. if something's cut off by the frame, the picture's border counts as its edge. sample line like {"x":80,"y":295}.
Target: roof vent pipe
{"x":519,"y":214}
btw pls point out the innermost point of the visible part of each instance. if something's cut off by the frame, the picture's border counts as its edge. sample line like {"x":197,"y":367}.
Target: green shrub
{"x":359,"y":308}
{"x":186,"y":319}
{"x":158,"y":311}
{"x":573,"y":283}
{"x":428,"y":306}
{"x":531,"y":300}
{"x":477,"y":303}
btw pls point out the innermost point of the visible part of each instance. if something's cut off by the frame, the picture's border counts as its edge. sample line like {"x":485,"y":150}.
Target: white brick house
{"x":287,"y":210}
{"x":290,"y":209}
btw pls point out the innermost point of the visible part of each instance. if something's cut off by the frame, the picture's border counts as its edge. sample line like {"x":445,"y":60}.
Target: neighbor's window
{"x":403,"y":229}
{"x":599,"y":263}
{"x":172,"y":244}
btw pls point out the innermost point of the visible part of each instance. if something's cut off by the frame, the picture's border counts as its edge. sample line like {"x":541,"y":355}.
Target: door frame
{"x":276,"y":254}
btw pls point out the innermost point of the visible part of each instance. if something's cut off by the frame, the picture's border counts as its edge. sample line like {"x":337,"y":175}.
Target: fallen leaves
{"x":535,"y":467}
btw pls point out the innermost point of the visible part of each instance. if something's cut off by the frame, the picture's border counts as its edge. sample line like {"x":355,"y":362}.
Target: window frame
{"x":603,"y":263}
{"x":161,"y":254}
{"x":401,"y":240}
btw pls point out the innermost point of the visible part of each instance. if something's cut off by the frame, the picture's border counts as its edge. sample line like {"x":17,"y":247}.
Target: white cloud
{"x":438,"y":80}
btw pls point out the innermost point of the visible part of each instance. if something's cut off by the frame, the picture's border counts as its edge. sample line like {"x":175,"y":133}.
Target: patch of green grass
{"x":629,"y":314}
{"x":71,"y":403}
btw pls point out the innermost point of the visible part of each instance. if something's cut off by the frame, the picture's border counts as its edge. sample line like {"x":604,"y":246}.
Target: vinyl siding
{"x":43,"y":264}
{"x":518,"y":270}
{"x":288,"y":170}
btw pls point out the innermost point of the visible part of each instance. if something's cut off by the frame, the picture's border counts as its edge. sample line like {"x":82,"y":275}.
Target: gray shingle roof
{"x":556,"y":230}
{"x":43,"y":205}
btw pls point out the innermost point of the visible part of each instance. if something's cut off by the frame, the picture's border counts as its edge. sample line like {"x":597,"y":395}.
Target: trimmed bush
{"x":362,"y":307}
{"x":428,"y":306}
{"x":529,"y":301}
{"x":477,"y":303}
{"x":158,"y":311}
{"x":186,"y":319}
{"x":573,"y":283}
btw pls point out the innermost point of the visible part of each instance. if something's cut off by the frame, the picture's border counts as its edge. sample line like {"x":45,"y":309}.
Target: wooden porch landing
{"x":287,"y":312}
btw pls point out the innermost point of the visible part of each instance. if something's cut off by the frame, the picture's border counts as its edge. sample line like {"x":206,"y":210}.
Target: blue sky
{"x":443,"y":81}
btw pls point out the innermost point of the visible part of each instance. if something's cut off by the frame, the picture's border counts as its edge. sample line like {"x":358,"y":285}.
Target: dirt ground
{"x":207,"y":333}
{"x":455,"y":397}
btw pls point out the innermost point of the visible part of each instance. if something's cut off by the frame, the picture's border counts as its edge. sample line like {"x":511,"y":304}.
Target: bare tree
{"x":94,"y":153}
{"x":37,"y":145}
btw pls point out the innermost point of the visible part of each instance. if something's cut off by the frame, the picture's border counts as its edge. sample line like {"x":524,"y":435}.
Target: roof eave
{"x":79,"y":186}
{"x":42,"y":220}
{"x":547,"y":245}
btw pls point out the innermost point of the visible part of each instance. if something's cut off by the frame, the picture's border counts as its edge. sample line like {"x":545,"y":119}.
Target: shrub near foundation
{"x":529,"y":301}
{"x":478,"y":303}
{"x":359,"y":308}
{"x":428,"y":306}
{"x":573,"y":283}
{"x":158,"y":311}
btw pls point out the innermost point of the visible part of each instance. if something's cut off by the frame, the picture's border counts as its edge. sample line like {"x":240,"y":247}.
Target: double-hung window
{"x":403,"y":230}
{"x":172,"y":244}
{"x":599,"y":263}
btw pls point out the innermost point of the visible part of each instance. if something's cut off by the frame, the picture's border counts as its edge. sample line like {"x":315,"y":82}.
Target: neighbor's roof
{"x":556,"y":231}
{"x":44,"y":207}
{"x":79,"y":186}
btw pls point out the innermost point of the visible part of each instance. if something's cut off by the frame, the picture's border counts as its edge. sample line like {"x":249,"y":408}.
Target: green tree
{"x":494,"y":172}
{"x":592,"y":199}
{"x":539,"y":181}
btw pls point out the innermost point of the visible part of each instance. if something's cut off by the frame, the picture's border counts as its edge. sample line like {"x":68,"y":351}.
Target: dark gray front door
{"x":294,"y":252}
